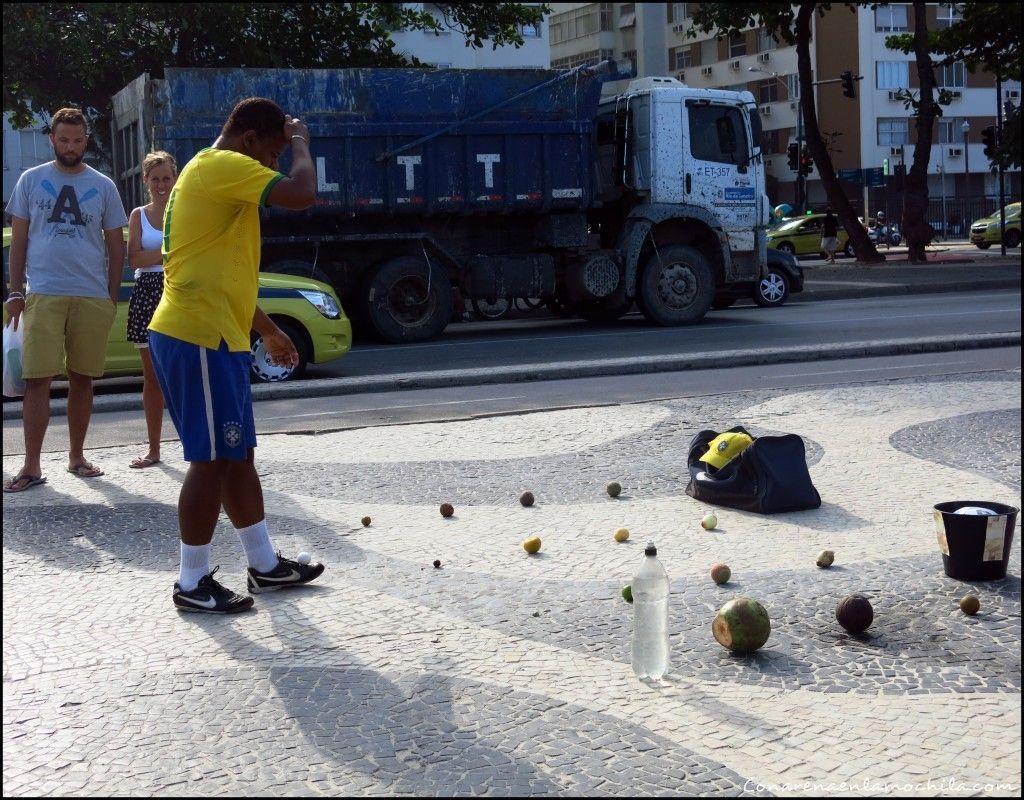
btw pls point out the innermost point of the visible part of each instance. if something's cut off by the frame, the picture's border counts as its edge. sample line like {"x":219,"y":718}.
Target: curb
{"x":823,"y":290}
{"x":327,"y":387}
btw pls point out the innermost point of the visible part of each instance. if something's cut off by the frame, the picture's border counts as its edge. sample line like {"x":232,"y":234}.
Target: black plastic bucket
{"x":975,"y":547}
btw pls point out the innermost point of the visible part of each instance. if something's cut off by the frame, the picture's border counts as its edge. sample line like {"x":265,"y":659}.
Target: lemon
{"x":621,"y":534}
{"x":531,"y":545}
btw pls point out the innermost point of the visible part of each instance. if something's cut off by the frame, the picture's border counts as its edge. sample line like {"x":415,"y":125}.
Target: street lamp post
{"x":966,"y":129}
{"x":799,"y":135}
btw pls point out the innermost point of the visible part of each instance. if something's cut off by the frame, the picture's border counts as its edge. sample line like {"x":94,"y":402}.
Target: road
{"x":500,"y":344}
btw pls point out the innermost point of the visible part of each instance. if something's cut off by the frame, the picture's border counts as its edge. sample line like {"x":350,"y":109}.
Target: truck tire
{"x":676,"y":287}
{"x":262,"y":371}
{"x":408,"y":300}
{"x":294,"y":266}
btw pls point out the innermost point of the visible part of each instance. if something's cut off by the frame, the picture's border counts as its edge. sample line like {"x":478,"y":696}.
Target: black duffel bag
{"x":769,"y":476}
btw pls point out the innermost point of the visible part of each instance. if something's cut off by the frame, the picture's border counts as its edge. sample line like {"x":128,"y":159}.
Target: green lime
{"x":627,"y":593}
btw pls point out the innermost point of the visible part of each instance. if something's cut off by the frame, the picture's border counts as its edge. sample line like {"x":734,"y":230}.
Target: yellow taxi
{"x":985,"y":232}
{"x":801,"y":236}
{"x":307,"y":310}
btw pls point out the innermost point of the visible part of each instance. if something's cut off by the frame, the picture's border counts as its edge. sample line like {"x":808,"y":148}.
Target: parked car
{"x":784,"y":277}
{"x":801,"y":236}
{"x":985,"y":232}
{"x":306,"y":309}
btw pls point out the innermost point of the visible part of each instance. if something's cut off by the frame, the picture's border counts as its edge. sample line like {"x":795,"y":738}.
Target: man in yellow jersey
{"x":199,"y":341}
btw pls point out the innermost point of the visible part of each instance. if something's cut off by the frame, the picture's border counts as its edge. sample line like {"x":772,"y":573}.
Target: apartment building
{"x":23,"y":149}
{"x":447,"y":49}
{"x":862,"y":133}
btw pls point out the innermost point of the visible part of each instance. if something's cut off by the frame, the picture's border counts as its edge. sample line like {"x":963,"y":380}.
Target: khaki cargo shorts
{"x":65,"y":334}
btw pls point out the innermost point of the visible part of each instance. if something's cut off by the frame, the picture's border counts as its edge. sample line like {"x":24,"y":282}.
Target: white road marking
{"x":390,"y":408}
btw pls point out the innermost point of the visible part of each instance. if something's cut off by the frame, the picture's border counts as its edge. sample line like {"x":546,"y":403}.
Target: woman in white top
{"x":145,"y":238}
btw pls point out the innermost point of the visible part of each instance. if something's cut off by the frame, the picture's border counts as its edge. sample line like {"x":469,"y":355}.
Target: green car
{"x":801,"y":236}
{"x":306,"y":309}
{"x":985,"y":232}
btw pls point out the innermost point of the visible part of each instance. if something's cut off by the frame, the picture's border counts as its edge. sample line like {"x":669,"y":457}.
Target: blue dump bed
{"x":530,"y":154}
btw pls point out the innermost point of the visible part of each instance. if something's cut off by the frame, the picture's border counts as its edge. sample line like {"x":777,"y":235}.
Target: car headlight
{"x":322,"y":302}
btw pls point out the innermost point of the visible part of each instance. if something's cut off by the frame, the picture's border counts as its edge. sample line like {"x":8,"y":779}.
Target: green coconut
{"x":614,"y":489}
{"x":741,"y":625}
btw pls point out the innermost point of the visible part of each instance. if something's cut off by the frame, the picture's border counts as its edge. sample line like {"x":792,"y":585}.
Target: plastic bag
{"x":14,"y":384}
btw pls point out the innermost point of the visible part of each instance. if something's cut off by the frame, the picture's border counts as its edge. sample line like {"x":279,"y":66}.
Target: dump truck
{"x":488,"y":184}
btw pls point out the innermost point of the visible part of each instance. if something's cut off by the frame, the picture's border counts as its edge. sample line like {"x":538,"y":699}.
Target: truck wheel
{"x":485,"y":310}
{"x":408,"y":300}
{"x":605,"y":310}
{"x":676,"y":286}
{"x":293,"y":266}
{"x":263,"y":371}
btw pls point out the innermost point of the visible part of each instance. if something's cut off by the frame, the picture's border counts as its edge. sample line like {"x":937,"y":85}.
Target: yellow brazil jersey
{"x":211,"y":249}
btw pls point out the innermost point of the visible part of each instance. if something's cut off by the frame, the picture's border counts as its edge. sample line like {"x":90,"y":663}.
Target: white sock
{"x":258,"y":547}
{"x":195,"y":563}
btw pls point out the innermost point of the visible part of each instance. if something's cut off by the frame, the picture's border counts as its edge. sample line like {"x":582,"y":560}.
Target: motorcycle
{"x":886,"y":234}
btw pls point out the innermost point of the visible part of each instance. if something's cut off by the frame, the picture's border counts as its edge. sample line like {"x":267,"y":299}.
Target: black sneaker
{"x":286,"y":573}
{"x":209,"y":597}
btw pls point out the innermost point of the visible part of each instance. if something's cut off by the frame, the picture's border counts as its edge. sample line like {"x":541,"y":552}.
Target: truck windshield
{"x":717,"y":134}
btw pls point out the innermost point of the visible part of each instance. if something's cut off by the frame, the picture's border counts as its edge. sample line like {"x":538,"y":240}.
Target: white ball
{"x":304,"y":558}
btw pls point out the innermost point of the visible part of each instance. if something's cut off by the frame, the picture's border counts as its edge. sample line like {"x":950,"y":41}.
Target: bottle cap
{"x":650,"y":550}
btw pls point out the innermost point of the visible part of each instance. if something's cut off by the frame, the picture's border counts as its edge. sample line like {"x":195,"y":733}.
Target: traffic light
{"x":989,"y":137}
{"x":806,"y":163}
{"x":885,"y":167}
{"x":793,"y":156}
{"x":848,"y":89}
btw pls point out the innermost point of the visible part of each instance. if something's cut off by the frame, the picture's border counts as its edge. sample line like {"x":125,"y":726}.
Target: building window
{"x":607,"y":12}
{"x":579,"y":22}
{"x":591,"y":57}
{"x":765,"y":41}
{"x":892,"y":131}
{"x":767,"y":91}
{"x":949,"y":130}
{"x":793,"y":85}
{"x":770,"y":141}
{"x":630,"y":56}
{"x":737,"y":45}
{"x":951,"y":76}
{"x":891,"y":18}
{"x":679,"y":58}
{"x":627,"y":8}
{"x":530,"y":31}
{"x":948,"y":16}
{"x":892,"y":74}
{"x":677,"y":12}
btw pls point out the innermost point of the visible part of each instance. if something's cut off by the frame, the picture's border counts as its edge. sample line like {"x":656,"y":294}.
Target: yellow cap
{"x":725,"y":447}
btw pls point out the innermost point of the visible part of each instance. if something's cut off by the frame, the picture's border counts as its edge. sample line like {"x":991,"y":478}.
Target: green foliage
{"x":58,"y":54}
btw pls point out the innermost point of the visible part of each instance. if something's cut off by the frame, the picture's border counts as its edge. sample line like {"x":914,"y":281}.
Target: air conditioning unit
{"x":681,"y":77}
{"x":894,"y":96}
{"x":735,"y":65}
{"x":1011,"y":94}
{"x":766,"y":111}
{"x":763,"y":58}
{"x":768,"y":163}
{"x":955,"y":152}
{"x":678,"y":28}
{"x":793,"y":104}
{"x":705,"y":71}
{"x":895,"y":151}
{"x":956,"y":95}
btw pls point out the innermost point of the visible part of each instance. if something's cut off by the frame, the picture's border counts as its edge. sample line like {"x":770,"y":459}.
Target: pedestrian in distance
{"x":145,"y":239}
{"x":66,"y":256}
{"x":199,"y":342}
{"x":830,"y":236}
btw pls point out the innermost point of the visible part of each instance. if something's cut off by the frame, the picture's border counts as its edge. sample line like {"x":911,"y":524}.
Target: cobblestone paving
{"x":504,"y":674}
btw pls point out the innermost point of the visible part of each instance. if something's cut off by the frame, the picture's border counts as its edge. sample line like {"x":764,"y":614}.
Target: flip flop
{"x":85,"y":470}
{"x":143,"y":462}
{"x":33,"y":480}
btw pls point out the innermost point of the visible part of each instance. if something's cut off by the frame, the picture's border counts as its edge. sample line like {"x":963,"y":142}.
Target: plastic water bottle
{"x":650,"y":617}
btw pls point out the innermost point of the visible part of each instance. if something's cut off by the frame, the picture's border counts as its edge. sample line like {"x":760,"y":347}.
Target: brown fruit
{"x":854,"y":613}
{"x":447,"y":510}
{"x":526,"y":498}
{"x":366,"y":522}
{"x":825,"y":559}
{"x":970,"y":605}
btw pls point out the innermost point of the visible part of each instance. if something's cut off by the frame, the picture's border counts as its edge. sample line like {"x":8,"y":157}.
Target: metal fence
{"x":960,"y":212}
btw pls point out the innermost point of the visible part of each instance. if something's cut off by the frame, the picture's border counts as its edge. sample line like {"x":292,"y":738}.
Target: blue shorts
{"x":208,"y":397}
